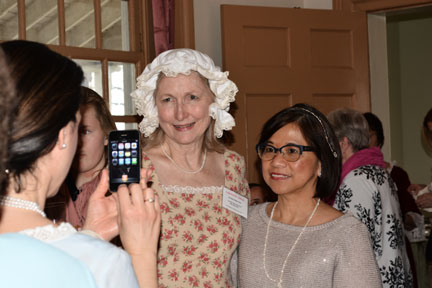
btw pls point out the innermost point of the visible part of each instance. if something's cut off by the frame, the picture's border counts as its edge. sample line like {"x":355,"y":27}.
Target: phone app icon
{"x":121,"y":153}
{"x":127,"y":145}
{"x":121,"y":161}
{"x":124,"y":178}
{"x":134,"y":153}
{"x":120,"y":146}
{"x":114,"y":162}
{"x":127,"y":154}
{"x":127,"y":161}
{"x":134,"y":161}
{"x":114,"y":146}
{"x":134,"y":145}
{"x":114,"y":154}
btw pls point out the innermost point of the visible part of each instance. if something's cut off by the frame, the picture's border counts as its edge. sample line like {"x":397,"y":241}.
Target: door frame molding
{"x":374,"y":5}
{"x":185,"y":13}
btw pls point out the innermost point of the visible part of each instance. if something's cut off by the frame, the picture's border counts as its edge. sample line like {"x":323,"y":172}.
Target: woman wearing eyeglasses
{"x":301,"y":241}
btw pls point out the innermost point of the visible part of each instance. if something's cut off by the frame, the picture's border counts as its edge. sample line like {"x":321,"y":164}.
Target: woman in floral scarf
{"x":367,"y":191}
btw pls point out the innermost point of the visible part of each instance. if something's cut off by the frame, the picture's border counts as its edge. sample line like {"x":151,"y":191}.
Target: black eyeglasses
{"x":290,"y":152}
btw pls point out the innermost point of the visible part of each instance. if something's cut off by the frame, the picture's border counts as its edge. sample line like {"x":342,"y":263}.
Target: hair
{"x":268,"y":194}
{"x":93,"y":99}
{"x":318,"y":133}
{"x":7,"y":110}
{"x":351,"y":124}
{"x":47,"y":87}
{"x":375,"y":125}
{"x":211,"y":143}
{"x":426,"y":132}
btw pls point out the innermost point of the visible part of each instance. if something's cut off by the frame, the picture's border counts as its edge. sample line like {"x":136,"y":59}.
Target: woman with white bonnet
{"x":185,"y":99}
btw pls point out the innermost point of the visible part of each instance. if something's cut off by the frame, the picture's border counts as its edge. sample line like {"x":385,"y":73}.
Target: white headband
{"x":171,"y":63}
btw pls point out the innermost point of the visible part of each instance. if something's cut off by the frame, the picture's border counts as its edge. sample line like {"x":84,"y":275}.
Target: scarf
{"x":369,"y":156}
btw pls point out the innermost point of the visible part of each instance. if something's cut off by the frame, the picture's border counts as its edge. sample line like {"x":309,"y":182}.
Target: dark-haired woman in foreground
{"x":43,"y":141}
{"x":301,"y":241}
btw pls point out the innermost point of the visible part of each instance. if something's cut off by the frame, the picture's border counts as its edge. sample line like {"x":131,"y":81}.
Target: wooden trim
{"x":98,"y":23}
{"x":147,"y":39}
{"x":343,"y":5}
{"x":337,"y":4}
{"x":128,"y":118}
{"x":132,"y":7}
{"x":61,"y":22}
{"x":377,"y":5}
{"x":98,"y":54}
{"x":21,"y":20}
{"x":184,"y":24}
{"x":105,"y":80}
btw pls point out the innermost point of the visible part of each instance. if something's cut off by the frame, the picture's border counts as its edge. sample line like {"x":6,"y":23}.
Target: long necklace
{"x":22,"y":204}
{"x":183,"y":170}
{"x":279,"y":283}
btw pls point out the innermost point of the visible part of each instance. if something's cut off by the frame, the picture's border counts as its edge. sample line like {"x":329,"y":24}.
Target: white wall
{"x":410,"y":67}
{"x":318,"y":4}
{"x":208,"y":24}
{"x":379,"y":84}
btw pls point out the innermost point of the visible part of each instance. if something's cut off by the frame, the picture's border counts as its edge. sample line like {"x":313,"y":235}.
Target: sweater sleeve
{"x":356,"y":265}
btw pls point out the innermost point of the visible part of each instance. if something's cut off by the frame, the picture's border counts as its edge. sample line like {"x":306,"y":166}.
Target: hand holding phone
{"x":124,"y":151}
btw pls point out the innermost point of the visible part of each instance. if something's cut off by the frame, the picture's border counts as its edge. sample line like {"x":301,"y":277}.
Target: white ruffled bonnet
{"x":171,"y":63}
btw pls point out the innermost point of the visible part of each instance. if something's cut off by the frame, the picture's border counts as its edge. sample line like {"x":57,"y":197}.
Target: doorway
{"x":400,"y":50}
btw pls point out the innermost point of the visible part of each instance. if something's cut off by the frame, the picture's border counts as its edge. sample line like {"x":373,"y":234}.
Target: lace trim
{"x":191,"y":189}
{"x":50,"y":233}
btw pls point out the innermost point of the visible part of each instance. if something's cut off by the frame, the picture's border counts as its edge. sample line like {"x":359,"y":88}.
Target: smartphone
{"x":124,"y":152}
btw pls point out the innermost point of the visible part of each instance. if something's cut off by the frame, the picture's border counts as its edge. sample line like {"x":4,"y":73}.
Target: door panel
{"x":282,"y":56}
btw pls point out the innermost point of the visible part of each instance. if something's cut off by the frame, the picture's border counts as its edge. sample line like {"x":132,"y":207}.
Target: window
{"x":107,"y":38}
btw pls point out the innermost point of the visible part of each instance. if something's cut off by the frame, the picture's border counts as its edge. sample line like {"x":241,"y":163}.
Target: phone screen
{"x":124,"y":158}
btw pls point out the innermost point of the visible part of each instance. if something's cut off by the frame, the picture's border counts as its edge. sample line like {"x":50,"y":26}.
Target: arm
{"x":356,"y":265}
{"x":139,"y":226}
{"x":425,"y":201}
{"x":414,"y":189}
{"x":238,"y":183}
{"x":244,"y":185}
{"x":423,"y":196}
{"x":406,"y":201}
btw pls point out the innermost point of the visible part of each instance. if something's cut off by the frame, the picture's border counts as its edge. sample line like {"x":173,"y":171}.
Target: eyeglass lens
{"x":290,"y":153}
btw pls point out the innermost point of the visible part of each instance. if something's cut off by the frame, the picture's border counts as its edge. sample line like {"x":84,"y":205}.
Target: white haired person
{"x":367,"y":190}
{"x":185,"y":99}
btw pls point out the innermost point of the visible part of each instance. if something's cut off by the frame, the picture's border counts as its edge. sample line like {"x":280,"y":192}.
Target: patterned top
{"x":335,"y":254}
{"x":198,"y":235}
{"x":370,"y":194}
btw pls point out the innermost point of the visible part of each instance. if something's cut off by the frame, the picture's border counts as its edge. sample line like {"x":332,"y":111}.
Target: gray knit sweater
{"x":335,"y":254}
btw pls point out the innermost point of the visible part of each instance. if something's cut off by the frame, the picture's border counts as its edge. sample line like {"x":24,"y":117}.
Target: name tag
{"x":235,"y":202}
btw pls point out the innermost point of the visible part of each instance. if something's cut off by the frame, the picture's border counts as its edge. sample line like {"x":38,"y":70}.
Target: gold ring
{"x":150,"y":200}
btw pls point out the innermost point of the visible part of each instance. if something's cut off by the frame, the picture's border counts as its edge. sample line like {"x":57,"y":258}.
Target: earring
{"x":64,"y":146}
{"x":319,"y":175}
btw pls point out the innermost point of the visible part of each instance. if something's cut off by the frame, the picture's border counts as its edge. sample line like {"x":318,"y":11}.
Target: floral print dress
{"x":198,"y":236}
{"x":369,"y":193}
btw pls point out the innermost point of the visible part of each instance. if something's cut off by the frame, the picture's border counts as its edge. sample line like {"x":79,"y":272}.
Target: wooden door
{"x":282,"y":56}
